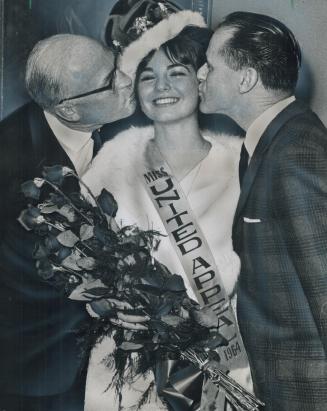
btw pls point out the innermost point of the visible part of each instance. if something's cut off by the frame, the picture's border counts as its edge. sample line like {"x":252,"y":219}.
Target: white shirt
{"x":258,"y":127}
{"x":78,"y":145}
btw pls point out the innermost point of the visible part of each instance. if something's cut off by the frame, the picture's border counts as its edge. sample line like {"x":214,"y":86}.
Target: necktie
{"x":243,"y":165}
{"x":97,"y":143}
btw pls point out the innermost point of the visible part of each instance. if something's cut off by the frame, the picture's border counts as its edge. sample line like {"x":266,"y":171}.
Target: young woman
{"x":205,"y":165}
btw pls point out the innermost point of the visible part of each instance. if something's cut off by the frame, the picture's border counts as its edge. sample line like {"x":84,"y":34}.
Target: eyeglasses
{"x":109,"y":86}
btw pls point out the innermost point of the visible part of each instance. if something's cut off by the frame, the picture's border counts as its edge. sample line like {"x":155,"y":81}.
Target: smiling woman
{"x":205,"y":167}
{"x":167,"y":91}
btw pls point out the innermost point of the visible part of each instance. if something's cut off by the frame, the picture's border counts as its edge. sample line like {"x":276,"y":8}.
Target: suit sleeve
{"x":6,"y":161}
{"x":13,"y":159}
{"x":301,"y":206}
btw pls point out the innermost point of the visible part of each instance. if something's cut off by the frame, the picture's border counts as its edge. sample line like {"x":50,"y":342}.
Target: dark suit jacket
{"x":282,"y":291}
{"x":38,"y":352}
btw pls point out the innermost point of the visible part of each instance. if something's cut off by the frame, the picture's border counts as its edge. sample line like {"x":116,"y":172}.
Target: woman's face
{"x":167,"y":91}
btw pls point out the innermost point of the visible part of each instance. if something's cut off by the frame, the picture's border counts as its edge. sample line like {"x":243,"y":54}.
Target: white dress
{"x":212,"y":189}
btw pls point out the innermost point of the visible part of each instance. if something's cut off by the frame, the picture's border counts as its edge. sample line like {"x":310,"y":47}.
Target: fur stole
{"x":126,"y":152}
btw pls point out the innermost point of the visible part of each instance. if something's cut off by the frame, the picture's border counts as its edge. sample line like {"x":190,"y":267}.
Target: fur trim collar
{"x":126,"y":151}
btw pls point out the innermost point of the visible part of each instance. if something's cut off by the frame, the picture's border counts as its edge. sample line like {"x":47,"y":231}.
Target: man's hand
{"x":128,"y":321}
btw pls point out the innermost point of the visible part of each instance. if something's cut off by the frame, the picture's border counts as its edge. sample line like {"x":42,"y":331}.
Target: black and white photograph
{"x":163,"y":205}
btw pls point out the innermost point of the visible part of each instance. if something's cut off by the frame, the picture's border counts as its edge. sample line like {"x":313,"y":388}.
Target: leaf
{"x":88,"y":263}
{"x":57,"y":199}
{"x":130,"y":260}
{"x":40,"y":252}
{"x":100,"y":233}
{"x":52,"y":244}
{"x":54,"y":174}
{"x":48,"y":208}
{"x":67,"y":238}
{"x":63,"y":252}
{"x":107,"y":203}
{"x":68,"y":212}
{"x":164,"y":308}
{"x":38,"y":182}
{"x":71,"y":262}
{"x":206,"y":317}
{"x":216,"y":342}
{"x":96,"y":291}
{"x":30,"y":190}
{"x":149,"y":289}
{"x":67,"y":171}
{"x":78,"y":294}
{"x":44,"y":269}
{"x":130,"y":346}
{"x":30,"y":218}
{"x":175,"y":283}
{"x":172,"y":320}
{"x":155,"y":281}
{"x":86,"y":232}
{"x":81,"y":292}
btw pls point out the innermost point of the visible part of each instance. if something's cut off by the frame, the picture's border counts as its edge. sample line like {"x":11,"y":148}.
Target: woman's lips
{"x":165,"y":101}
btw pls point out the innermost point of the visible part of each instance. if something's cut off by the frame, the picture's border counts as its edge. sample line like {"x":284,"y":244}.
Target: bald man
{"x":76,"y":89}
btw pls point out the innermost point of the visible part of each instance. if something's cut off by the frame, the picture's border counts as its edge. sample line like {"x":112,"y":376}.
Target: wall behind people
{"x":307,"y":20}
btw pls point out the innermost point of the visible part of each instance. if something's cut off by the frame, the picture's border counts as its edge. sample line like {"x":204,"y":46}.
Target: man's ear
{"x":67,"y":112}
{"x":248,"y":80}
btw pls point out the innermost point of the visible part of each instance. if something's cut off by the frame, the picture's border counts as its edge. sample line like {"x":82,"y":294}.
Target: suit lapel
{"x":46,"y":148}
{"x":271,"y":131}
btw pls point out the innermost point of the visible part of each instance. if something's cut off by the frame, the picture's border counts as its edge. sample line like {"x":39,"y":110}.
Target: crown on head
{"x":129,"y":19}
{"x":135,"y":27}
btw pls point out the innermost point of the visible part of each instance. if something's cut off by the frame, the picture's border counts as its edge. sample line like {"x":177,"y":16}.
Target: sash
{"x":194,"y":254}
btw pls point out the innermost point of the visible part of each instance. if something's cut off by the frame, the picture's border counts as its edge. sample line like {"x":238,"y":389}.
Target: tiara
{"x":129,"y":19}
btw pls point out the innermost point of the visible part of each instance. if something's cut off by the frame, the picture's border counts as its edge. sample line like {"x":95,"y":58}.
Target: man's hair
{"x":47,"y":74}
{"x":265,"y":44}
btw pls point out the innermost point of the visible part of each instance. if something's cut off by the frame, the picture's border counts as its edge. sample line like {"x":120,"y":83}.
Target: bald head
{"x":64,"y":65}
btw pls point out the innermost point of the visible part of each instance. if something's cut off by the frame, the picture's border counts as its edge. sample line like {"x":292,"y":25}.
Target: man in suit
{"x":76,"y":89}
{"x":280,"y":226}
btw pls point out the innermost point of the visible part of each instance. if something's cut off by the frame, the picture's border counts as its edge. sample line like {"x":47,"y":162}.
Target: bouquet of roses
{"x":83,"y":253}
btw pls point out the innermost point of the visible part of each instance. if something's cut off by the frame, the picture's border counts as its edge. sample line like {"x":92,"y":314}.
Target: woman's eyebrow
{"x":171,"y":66}
{"x":147,"y":69}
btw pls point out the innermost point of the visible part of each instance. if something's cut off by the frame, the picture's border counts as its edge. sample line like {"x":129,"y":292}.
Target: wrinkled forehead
{"x":102,"y":58}
{"x":91,"y":71}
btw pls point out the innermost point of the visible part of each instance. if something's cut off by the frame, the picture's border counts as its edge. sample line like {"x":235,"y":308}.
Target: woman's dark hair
{"x":188,"y":48}
{"x":265,"y":44}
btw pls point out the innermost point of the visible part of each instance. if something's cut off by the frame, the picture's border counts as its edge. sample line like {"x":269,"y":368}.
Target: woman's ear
{"x":67,"y":112}
{"x":249,"y":79}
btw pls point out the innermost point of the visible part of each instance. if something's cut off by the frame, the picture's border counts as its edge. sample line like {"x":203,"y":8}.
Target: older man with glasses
{"x":76,"y":89}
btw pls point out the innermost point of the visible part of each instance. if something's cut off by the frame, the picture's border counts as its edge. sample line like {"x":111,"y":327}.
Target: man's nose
{"x":122,"y":80}
{"x":202,"y":72}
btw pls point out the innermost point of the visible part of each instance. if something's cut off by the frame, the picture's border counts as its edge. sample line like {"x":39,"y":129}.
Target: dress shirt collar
{"x":258,"y":127}
{"x":70,"y":140}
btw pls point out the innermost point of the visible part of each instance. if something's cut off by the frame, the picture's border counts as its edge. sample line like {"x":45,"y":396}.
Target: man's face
{"x":106,"y":94}
{"x":218,"y":83}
